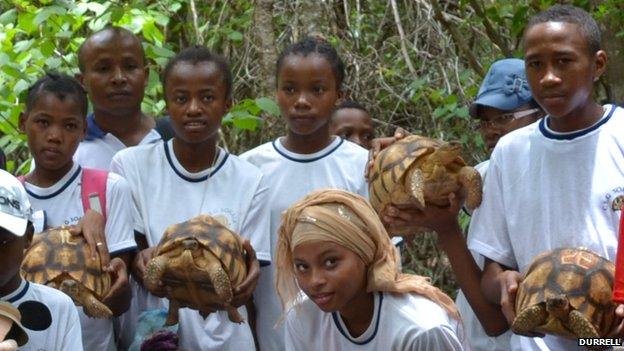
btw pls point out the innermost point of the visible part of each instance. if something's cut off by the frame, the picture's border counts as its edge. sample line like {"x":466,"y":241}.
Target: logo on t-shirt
{"x":614,"y":199}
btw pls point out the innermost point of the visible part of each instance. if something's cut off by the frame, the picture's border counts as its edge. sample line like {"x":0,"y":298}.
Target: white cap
{"x":15,"y":208}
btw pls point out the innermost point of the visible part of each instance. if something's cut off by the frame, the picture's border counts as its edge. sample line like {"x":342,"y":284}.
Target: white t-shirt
{"x":62,"y":205}
{"x":63,"y":334}
{"x":546,"y":190}
{"x":401,"y":322}
{"x":165,"y":193}
{"x":98,"y":147}
{"x":479,"y":340}
{"x":292,"y":176}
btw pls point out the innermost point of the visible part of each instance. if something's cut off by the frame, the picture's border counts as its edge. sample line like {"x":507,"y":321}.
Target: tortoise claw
{"x":529,"y":319}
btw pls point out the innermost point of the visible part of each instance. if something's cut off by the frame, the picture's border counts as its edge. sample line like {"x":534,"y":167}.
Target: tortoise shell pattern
{"x":391,"y":165}
{"x":583,"y":276}
{"x":58,"y":254}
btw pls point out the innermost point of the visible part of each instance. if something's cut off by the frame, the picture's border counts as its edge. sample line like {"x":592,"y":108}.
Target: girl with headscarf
{"x":333,"y":247}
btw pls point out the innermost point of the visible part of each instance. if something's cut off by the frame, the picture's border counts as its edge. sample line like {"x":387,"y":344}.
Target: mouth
{"x":51,"y":152}
{"x":194,"y":125}
{"x":322,"y":299}
{"x":119,"y":94}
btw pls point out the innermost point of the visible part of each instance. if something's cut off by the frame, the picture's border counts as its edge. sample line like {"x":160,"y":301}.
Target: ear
{"x":228,"y":104}
{"x":146,"y":80}
{"x":341,"y":96}
{"x":600,"y":62}
{"x":22,"y":122}
{"x":79,"y":77}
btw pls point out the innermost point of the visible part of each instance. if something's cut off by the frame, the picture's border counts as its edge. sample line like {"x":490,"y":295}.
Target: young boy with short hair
{"x":58,"y":326}
{"x":54,"y":122}
{"x":552,"y":184}
{"x":350,"y":120}
{"x":114,"y":72}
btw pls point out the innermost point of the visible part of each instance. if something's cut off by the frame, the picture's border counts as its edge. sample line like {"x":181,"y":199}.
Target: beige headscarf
{"x":347,"y":219}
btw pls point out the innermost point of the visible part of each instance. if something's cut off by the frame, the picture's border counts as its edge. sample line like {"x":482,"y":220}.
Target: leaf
{"x":269,"y":106}
{"x":235,"y":36}
{"x":44,"y":13}
{"x":8,"y":17}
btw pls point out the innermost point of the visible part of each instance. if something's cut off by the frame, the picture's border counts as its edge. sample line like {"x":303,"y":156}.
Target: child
{"x":552,"y":184}
{"x":114,"y":73}
{"x":190,"y":175}
{"x":351,"y":121}
{"x":333,"y":246}
{"x":309,"y":78}
{"x":58,"y":326}
{"x":54,"y":122}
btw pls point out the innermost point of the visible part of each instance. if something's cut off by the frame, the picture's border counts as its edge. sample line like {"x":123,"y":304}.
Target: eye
{"x":42,"y":122}
{"x":288,"y":90}
{"x":319,"y":90}
{"x":564,"y":60}
{"x":208,"y":98}
{"x":101,"y":68}
{"x":330,"y":262}
{"x":179,"y":99}
{"x":534,"y":64}
{"x":301,"y":268}
{"x":71,"y":126}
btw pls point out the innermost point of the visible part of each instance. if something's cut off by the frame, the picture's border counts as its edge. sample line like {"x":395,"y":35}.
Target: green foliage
{"x":36,"y":37}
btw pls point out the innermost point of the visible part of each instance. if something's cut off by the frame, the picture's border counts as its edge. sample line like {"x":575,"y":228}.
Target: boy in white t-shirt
{"x":190,"y":175}
{"x":113,"y":70}
{"x":553,"y":184}
{"x":49,"y":316}
{"x":352,"y":122}
{"x":54,"y":122}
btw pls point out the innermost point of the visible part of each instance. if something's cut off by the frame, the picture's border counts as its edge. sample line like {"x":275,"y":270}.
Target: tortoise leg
{"x":415,"y":184}
{"x":580,"y":326}
{"x":470,"y":179}
{"x":81,"y":295}
{"x":221,"y":282}
{"x":234,"y":315}
{"x":529,"y":319}
{"x":172,"y":315}
{"x":154,"y":272}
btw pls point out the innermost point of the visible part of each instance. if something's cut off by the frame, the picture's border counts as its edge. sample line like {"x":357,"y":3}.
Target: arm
{"x":451,"y":241}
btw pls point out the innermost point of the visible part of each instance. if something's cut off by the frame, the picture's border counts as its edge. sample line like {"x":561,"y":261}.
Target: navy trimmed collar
{"x":188,"y":179}
{"x":61,"y":189}
{"x":573,"y":135}
{"x":307,"y":160}
{"x":93,"y":130}
{"x":23,"y":289}
{"x":346,"y":333}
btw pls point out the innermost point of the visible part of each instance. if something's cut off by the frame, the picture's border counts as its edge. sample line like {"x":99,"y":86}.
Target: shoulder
{"x":304,"y":313}
{"x":137,"y":155}
{"x":416,"y":311}
{"x":243,"y":167}
{"x":50,"y":296}
{"x":259,"y":152}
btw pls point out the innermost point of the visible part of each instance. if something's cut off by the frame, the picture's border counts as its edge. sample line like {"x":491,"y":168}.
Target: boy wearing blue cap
{"x":504,"y":103}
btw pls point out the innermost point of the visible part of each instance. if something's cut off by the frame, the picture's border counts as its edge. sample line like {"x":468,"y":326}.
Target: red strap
{"x":94,"y":183}
{"x":618,"y":284}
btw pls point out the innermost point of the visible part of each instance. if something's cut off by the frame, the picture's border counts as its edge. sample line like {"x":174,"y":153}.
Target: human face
{"x":331,"y":275}
{"x":196,"y":100}
{"x":560,"y":69}
{"x":54,"y":129}
{"x":11,"y":254}
{"x":495,"y":123}
{"x":114,"y":74}
{"x":354,"y":125}
{"x":307,"y":93}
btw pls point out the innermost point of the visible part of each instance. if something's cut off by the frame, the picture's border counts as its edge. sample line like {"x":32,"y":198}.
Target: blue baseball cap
{"x":505,"y":87}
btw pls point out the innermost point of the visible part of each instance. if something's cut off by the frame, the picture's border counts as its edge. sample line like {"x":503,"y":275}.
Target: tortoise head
{"x":69,"y":287}
{"x":190,"y":244}
{"x":558,"y":306}
{"x":446,"y":153}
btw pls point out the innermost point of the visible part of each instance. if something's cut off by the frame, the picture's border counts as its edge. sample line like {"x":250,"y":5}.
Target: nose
{"x":302,"y":102}
{"x":54,"y":134}
{"x":491,"y":134}
{"x":118,"y":76}
{"x":550,"y":77}
{"x":317,"y":279}
{"x":194,"y":108}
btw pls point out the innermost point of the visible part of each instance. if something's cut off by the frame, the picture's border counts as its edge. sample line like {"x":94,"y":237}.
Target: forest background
{"x":416,"y":64}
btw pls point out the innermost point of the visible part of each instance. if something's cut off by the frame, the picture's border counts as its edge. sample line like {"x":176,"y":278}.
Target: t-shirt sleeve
{"x":488,"y":233}
{"x":256,"y":225}
{"x":72,"y":336}
{"x":119,"y":221}
{"x":117,"y":166}
{"x":292,"y":333}
{"x":439,"y":338}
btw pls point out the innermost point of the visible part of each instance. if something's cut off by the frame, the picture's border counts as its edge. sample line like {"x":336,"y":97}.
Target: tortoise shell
{"x":582,"y":276}
{"x":187,"y":282}
{"x":440,"y":165}
{"x":56,"y":254}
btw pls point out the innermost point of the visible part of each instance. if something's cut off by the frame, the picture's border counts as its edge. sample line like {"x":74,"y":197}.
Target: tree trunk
{"x":614,"y":47}
{"x":265,"y":41}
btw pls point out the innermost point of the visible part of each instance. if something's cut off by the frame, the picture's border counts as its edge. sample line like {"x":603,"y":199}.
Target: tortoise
{"x":566,"y":292}
{"x":422,"y":170}
{"x":64,"y":261}
{"x":199,"y":262}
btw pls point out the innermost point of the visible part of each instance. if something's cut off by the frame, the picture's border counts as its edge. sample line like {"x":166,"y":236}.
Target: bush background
{"x":414,"y":63}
